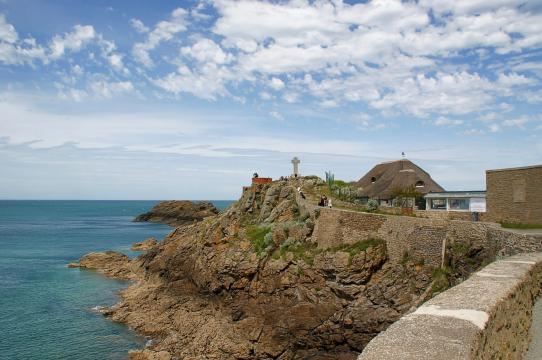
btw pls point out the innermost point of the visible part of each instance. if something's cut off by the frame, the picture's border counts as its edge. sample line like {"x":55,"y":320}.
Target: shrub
{"x":259,"y":238}
{"x":372,"y":205}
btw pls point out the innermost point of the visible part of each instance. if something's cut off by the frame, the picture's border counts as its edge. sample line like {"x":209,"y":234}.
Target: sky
{"x":186,"y":99}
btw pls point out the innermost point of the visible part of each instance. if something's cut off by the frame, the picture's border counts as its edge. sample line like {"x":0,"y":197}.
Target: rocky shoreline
{"x":110,"y":263}
{"x":145,"y":245}
{"x":249,"y":283}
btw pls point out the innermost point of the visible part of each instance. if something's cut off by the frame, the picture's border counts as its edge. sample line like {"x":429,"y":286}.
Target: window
{"x":459,"y":204}
{"x":373,"y":179}
{"x":420,"y":183}
{"x":438,"y":204}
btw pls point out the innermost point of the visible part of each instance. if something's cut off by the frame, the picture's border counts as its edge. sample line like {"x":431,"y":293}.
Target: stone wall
{"x":486,"y":317}
{"x":420,"y":238}
{"x":515,"y":195}
{"x":449,"y":215}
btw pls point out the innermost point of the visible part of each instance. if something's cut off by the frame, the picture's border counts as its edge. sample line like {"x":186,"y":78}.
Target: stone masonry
{"x":487,"y":316}
{"x":515,"y":195}
{"x":420,"y":238}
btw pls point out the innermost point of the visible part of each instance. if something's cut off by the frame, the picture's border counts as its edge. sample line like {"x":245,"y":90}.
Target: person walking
{"x":329,"y":203}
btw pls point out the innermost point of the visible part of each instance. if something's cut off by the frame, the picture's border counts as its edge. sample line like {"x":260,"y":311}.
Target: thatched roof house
{"x":384,"y":178}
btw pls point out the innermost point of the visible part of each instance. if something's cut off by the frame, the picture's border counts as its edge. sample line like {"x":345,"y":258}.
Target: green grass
{"x":356,"y":248}
{"x":300,"y":251}
{"x":256,"y":235}
{"x":441,"y":279}
{"x":460,"y":248}
{"x":307,"y":251}
{"x":340,"y":183}
{"x":509,"y":225}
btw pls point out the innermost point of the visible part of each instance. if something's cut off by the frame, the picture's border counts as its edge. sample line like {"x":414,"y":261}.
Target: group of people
{"x":324,"y":201}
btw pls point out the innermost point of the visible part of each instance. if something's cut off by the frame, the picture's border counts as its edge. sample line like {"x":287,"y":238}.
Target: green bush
{"x":372,"y":205}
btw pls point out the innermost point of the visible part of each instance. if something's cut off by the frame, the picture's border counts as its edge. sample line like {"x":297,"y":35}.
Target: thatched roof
{"x":380,"y":182}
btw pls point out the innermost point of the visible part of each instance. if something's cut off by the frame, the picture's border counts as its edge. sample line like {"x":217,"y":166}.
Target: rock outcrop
{"x":145,"y":245}
{"x":249,"y":283}
{"x":177,"y":212}
{"x":110,"y":263}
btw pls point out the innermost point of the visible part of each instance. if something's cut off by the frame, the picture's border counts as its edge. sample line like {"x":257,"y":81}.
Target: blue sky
{"x":186,"y":99}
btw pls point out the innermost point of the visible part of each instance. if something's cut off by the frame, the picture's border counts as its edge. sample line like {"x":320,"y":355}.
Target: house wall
{"x":515,"y":195}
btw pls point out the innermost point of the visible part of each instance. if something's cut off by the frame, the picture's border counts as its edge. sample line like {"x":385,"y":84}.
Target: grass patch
{"x":257,"y":237}
{"x":441,"y":279}
{"x":509,"y":225}
{"x":356,"y":248}
{"x":460,"y":248}
{"x":300,"y":251}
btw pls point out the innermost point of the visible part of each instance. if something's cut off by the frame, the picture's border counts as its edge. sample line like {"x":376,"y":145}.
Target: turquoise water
{"x":46,"y":308}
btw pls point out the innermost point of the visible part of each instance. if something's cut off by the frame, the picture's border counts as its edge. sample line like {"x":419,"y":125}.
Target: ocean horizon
{"x":46,"y":309}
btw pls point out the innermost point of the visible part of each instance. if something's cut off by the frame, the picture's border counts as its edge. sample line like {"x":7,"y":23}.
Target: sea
{"x":47,"y":311}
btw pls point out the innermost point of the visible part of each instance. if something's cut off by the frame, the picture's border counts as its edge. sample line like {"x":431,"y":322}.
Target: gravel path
{"x":535,"y":348}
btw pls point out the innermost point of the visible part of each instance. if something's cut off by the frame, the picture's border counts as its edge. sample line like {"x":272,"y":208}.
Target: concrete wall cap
{"x":478,"y":318}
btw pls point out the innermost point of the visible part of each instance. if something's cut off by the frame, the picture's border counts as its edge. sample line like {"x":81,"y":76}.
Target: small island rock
{"x":178,"y":212}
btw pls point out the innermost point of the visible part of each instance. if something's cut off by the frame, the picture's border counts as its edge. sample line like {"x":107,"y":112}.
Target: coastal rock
{"x":178,"y":213}
{"x":249,"y":283}
{"x":145,"y":245}
{"x":110,"y":263}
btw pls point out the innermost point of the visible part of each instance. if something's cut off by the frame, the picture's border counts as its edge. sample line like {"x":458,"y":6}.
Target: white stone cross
{"x":296,"y":162}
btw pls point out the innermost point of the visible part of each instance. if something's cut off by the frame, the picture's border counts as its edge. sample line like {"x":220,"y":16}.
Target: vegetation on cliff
{"x":250,"y":283}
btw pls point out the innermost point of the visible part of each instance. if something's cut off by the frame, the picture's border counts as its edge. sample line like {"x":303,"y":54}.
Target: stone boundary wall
{"x":449,"y":215}
{"x":422,"y":239}
{"x":488,"y":316}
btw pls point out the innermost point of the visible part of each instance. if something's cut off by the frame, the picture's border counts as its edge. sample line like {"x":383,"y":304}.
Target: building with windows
{"x":467,"y":201}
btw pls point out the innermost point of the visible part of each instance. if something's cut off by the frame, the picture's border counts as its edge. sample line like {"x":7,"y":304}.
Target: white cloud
{"x":22,"y":122}
{"x":276,"y":83}
{"x":139,"y":26}
{"x":105,"y":89}
{"x":7,"y":31}
{"x":456,"y":94}
{"x":72,"y":41}
{"x":277,"y":115}
{"x":291,"y":97}
{"x":163,"y":31}
{"x":205,"y":50}
{"x":207,"y":83}
{"x":514,"y":79}
{"x":494,"y":128}
{"x":443,"y":121}
{"x":488,"y":117}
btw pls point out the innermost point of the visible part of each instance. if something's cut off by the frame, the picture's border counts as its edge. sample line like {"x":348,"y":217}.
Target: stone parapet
{"x":488,"y":316}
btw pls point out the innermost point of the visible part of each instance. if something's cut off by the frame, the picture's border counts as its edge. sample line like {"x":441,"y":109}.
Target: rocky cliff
{"x":249,"y":283}
{"x":178,"y":212}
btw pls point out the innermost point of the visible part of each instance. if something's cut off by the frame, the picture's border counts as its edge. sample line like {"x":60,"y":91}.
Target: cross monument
{"x":295,"y":162}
